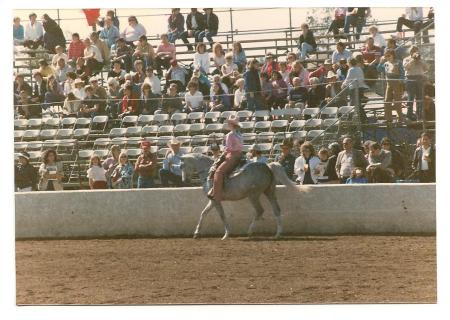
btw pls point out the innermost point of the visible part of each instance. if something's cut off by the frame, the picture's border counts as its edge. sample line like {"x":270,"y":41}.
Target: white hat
{"x":327,"y":61}
{"x":331,"y":74}
{"x":233,"y":120}
{"x":173,"y":142}
{"x":94,"y":78}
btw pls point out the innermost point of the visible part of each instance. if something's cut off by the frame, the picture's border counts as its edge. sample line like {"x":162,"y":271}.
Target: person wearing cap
{"x":92,"y":56}
{"x":34,"y":33}
{"x":25,"y":175}
{"x":133,"y":31}
{"x":171,"y":166}
{"x":211,"y":26}
{"x":307,"y":42}
{"x":51,"y":172}
{"x":145,"y":167}
{"x":124,"y":53}
{"x":195,"y":24}
{"x":175,"y":25}
{"x":322,"y":71}
{"x":153,"y":80}
{"x":176,"y":74}
{"x":286,"y":158}
{"x":230,"y":157}
{"x":165,"y":53}
{"x":18,"y":31}
{"x":144,"y":51}
{"x":110,"y":33}
{"x":340,"y":53}
{"x":270,"y":65}
{"x":255,"y":155}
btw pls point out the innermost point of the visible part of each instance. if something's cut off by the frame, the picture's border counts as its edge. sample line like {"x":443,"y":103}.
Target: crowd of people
{"x":147,"y":79}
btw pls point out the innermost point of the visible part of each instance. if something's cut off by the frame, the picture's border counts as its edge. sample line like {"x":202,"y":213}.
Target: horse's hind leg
{"x":202,"y":216}
{"x":270,"y":194}
{"x":254,"y":199}
{"x":219,"y":209}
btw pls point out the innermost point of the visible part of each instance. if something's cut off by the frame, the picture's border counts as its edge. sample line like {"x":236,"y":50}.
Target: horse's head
{"x":195,"y":162}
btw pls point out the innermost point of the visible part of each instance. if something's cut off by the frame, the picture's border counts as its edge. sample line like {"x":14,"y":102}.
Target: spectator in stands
{"x":338,"y":22}
{"x":356,"y":17}
{"x":76,"y":49}
{"x":378,"y":38}
{"x":218,"y":57}
{"x":195,"y":23}
{"x":355,"y":83}
{"x":255,"y":155}
{"x":176,"y":74}
{"x":204,"y":84}
{"x":90,"y":106}
{"x":252,"y":85}
{"x":217,"y":98}
{"x":145,"y":167}
{"x":61,"y":71}
{"x":171,"y":166}
{"x":330,"y":170}
{"x":305,"y":165}
{"x":53,"y":35}
{"x":332,"y":90}
{"x":286,"y":159}
{"x":371,"y":56}
{"x":229,"y":71}
{"x":153,"y":80}
{"x":124,"y":53}
{"x":397,"y":159}
{"x":54,"y":94}
{"x":279,"y":91}
{"x":379,"y":158}
{"x":424,"y":160}
{"x":240,"y":101}
{"x":394,"y":73}
{"x":71,"y":105}
{"x":428,"y":102}
{"x":298,"y":93}
{"x":284,"y":72}
{"x":321,"y":167}
{"x":92,"y":57}
{"x":340,"y":53}
{"x":316,"y":93}
{"x":193,"y":98}
{"x":40,"y":87}
{"x":357,"y":177}
{"x":99,"y":91}
{"x":122,"y":176}
{"x":175,"y":25}
{"x":21,"y":85}
{"x":59,"y":54}
{"x":18,"y":31}
{"x":217,"y":79}
{"x":117,"y":72}
{"x":266,"y":91}
{"x":139,"y":73}
{"x":113,"y":97}
{"x":79,"y":90}
{"x":96,"y":173}
{"x":102,"y":46}
{"x":298,"y":70}
{"x":45,"y":69}
{"x":164,"y":54}
{"x":239,"y":57}
{"x":321,"y":72}
{"x":215,"y":152}
{"x":412,"y":18}
{"x":110,"y":33}
{"x":171,"y":101}
{"x":149,"y":102}
{"x":133,"y":31}
{"x":110,"y":15}
{"x":348,"y":159}
{"x":25,"y":175}
{"x":144,"y":51}
{"x":211,"y":26}
{"x":201,"y":58}
{"x":50,"y":172}
{"x":269,"y":65}
{"x":110,"y":163}
{"x":26,"y":107}
{"x":400,"y":52}
{"x":342,"y":69}
{"x":307,"y":42}
{"x":34,"y":33}
{"x":129,"y":103}
{"x":415,"y":70}
{"x":291,"y":57}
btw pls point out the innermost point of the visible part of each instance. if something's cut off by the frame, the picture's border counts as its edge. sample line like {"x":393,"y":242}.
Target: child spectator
{"x":240,"y":101}
{"x":96,"y":174}
{"x":357,"y":177}
{"x":165,"y":53}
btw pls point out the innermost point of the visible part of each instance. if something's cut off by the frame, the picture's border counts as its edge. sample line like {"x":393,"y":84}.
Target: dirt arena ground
{"x":334,"y":269}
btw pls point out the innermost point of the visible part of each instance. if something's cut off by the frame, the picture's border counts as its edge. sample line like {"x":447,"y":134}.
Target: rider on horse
{"x":229,"y":159}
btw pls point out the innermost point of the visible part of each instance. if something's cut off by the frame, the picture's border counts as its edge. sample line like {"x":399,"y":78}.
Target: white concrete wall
{"x":326,"y":209}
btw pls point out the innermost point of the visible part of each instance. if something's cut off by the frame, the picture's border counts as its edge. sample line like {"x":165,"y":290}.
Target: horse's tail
{"x":280,"y":175}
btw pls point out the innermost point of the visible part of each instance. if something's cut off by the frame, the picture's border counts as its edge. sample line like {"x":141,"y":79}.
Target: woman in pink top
{"x":232,"y":154}
{"x":164,"y":53}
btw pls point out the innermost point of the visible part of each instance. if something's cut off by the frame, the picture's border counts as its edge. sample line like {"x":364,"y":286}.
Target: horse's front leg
{"x":219,"y":208}
{"x":200,"y":221}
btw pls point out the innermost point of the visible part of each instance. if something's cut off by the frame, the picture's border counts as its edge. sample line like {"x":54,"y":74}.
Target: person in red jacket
{"x":129,"y":103}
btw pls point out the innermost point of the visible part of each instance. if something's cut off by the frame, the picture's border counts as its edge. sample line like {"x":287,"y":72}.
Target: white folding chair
{"x":296,"y":125}
{"x":117,"y":132}
{"x":313,"y":123}
{"x":134,"y":131}
{"x":165,"y":130}
{"x":195,"y":116}
{"x":178,"y":117}
{"x":262,"y":126}
{"x":329,"y":112}
{"x":196,"y":128}
{"x":181,"y":129}
{"x":150,"y":130}
{"x":145,"y":119}
{"x":279,"y":125}
{"x":128,"y":121}
{"x":311,"y":112}
{"x":64,"y":133}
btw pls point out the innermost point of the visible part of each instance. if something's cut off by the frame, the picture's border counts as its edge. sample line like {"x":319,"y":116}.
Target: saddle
{"x":237,"y":168}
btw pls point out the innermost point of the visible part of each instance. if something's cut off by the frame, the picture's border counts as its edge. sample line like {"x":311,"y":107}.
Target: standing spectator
{"x":286,"y":159}
{"x":144,"y":51}
{"x":164,"y":54}
{"x":239,"y":57}
{"x":298,"y":93}
{"x":269,"y":65}
{"x":171,"y":101}
{"x":330,"y":170}
{"x":34,"y":33}
{"x":154,"y":81}
{"x":201,"y":58}
{"x":252,"y":85}
{"x":122,"y":176}
{"x":415,"y":69}
{"x":195,"y":24}
{"x":50,"y":172}
{"x":371,"y":55}
{"x":322,"y":166}
{"x":25,"y":175}
{"x":59,"y":54}
{"x":393,"y":70}
{"x":171,"y":166}
{"x":240,"y":102}
{"x":348,"y":159}
{"x":110,"y":15}
{"x":193,"y":98}
{"x":133,"y":31}
{"x":149,"y":102}
{"x":124,"y":53}
{"x":53,"y":34}
{"x":96,"y":173}
{"x":266,"y":91}
{"x":76,"y":49}
{"x":424,"y":161}
{"x":356,"y":17}
{"x":146,"y":165}
{"x":110,"y":33}
{"x":18,"y":31}
{"x":412,"y":18}
{"x":102,"y":46}
{"x":357,"y":177}
{"x":338,"y":22}
{"x":305,"y":165}
{"x":397,"y":159}
{"x":378,"y":38}
{"x":218,"y":56}
{"x":340,"y":53}
{"x":307,"y":42}
{"x":92,"y":56}
{"x":175,"y":25}
{"x":355,"y":82}
{"x":298,"y":70}
{"x":379,"y":158}
{"x":111,"y":163}
{"x":211,"y":26}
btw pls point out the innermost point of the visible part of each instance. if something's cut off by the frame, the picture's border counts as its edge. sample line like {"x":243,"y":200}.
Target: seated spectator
{"x":307,"y":42}
{"x":379,"y":158}
{"x":424,"y":160}
{"x":111,"y":163}
{"x":378,"y":39}
{"x":153,"y":80}
{"x":50,"y":172}
{"x":144,"y":51}
{"x":412,"y":18}
{"x":113,"y":97}
{"x":171,"y":101}
{"x":217,"y":79}
{"x":217,"y":98}
{"x":397,"y":160}
{"x":54,"y":94}
{"x":18,"y":32}
{"x":316,"y":93}
{"x":129,"y":103}
{"x":321,"y":72}
{"x":286,"y":159}
{"x":25,"y":175}
{"x":92,"y":56}
{"x":139,"y":74}
{"x":348,"y":159}
{"x":290,"y":59}
{"x":211,"y":26}
{"x":204,"y":84}
{"x":266,"y":91}
{"x":122,"y":175}
{"x":34,"y":33}
{"x":332,"y":89}
{"x":110,"y":33}
{"x":99,"y":91}
{"x":195,"y":24}
{"x":164,"y":54}
{"x":124,"y":54}
{"x":61,"y":71}
{"x":175,"y":25}
{"x":133,"y":31}
{"x":279,"y":90}
{"x":218,"y":57}
{"x":40,"y":87}
{"x":269,"y":65}
{"x":239,"y":57}
{"x":305,"y":165}
{"x":149,"y":102}
{"x":338,"y":22}
{"x":102,"y":46}
{"x":355,"y":17}
{"x":228,"y":70}
{"x":110,"y":15}
{"x":357,"y":177}
{"x":297,"y":94}
{"x":252,"y":85}
{"x":342,"y":69}
{"x":298,"y":70}
{"x":340,"y":53}
{"x":96,"y":173}
{"x":146,"y":166}
{"x":117,"y":72}
{"x":45,"y":69}
{"x":201,"y":58}
{"x":79,"y":90}
{"x":193,"y":98}
{"x":330,"y":170}
{"x":371,"y":56}
{"x":21,"y":85}
{"x":171,"y":166}
{"x":176,"y":74}
{"x":76,"y":49}
{"x":71,"y":105}
{"x":284,"y":72}
{"x":90,"y":106}
{"x":255,"y":155}
{"x":53,"y":35}
{"x":240,"y":102}
{"x":26,"y":108}
{"x":59,"y":54}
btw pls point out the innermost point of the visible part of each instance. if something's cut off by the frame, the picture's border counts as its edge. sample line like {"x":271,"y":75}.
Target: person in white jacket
{"x":305,"y":165}
{"x":201,"y":59}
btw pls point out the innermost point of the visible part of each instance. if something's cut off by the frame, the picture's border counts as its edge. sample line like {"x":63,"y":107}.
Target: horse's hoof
{"x":225,"y":237}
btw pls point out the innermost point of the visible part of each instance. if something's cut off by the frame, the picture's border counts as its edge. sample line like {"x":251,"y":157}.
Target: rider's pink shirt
{"x":233,"y":142}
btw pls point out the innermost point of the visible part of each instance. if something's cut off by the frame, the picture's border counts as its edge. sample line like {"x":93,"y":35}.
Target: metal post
{"x":359,"y":110}
{"x":57,"y":13}
{"x":231,"y":24}
{"x":290,"y":25}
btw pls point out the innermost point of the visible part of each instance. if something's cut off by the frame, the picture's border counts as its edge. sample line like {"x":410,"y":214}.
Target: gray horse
{"x":253,"y":180}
